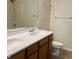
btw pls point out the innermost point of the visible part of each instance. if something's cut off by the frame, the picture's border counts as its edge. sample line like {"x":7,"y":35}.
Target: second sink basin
{"x":11,"y":43}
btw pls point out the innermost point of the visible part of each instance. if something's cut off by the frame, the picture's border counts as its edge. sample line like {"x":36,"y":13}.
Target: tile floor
{"x":63,"y":55}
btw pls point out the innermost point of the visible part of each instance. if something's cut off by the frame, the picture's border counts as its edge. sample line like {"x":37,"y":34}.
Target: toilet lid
{"x":57,"y":43}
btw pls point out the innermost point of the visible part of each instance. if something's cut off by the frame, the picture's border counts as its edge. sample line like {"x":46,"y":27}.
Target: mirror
{"x":22,"y":13}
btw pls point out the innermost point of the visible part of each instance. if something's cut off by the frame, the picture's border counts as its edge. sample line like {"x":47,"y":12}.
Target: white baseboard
{"x":68,"y":49}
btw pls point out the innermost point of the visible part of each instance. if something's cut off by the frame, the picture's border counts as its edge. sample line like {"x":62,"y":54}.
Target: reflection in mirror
{"x":22,"y":13}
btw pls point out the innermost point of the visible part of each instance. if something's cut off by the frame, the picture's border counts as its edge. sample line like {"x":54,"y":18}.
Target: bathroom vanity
{"x":40,"y":48}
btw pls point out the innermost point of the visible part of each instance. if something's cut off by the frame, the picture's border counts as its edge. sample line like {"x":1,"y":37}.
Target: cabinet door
{"x":33,"y":56}
{"x":50,"y":50}
{"x":20,"y":55}
{"x":43,"y":51}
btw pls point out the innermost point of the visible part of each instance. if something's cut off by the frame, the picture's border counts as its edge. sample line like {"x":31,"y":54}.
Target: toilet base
{"x":56,"y":51}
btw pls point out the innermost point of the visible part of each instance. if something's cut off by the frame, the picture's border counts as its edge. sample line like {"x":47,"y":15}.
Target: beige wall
{"x":62,"y":27}
{"x":63,"y":8}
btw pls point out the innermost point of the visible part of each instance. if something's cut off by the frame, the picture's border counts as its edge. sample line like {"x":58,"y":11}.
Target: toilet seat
{"x":57,"y":44}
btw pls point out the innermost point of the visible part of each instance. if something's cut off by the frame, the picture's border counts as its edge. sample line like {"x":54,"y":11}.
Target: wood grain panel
{"x":33,"y":56}
{"x":43,"y":41}
{"x":32,"y":49}
{"x":20,"y":55}
{"x":43,"y":52}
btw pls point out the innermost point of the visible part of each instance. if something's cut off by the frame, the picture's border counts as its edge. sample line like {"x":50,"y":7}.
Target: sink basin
{"x":12,"y":43}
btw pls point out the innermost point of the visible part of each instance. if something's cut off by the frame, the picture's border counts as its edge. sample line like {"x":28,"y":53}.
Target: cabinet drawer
{"x":43,"y":41}
{"x":32,"y":49}
{"x":20,"y":55}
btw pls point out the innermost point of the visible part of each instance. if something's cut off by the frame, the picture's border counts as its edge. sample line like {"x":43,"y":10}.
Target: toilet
{"x":56,"y":47}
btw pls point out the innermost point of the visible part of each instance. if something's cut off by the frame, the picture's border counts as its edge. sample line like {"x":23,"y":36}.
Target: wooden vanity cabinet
{"x":43,"y":52}
{"x":50,"y":46}
{"x":50,"y":50}
{"x":20,"y":55}
{"x":32,"y":51}
{"x":33,"y":56}
{"x":39,"y":50}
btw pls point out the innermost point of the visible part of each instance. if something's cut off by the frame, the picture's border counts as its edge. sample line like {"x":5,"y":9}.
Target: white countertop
{"x":26,"y":39}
